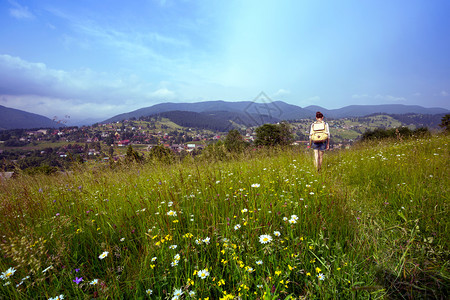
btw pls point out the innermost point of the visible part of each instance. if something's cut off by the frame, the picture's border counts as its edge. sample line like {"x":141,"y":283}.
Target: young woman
{"x":319,"y":139}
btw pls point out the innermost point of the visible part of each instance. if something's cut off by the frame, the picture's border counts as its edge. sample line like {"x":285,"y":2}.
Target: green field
{"x":262,"y":225}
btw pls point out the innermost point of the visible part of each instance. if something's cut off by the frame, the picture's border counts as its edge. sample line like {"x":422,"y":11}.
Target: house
{"x":123,"y":143}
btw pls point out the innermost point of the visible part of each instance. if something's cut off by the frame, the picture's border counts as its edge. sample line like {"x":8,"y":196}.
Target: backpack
{"x":318,"y":132}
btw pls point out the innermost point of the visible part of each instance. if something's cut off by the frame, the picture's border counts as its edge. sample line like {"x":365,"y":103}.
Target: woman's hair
{"x":319,"y":115}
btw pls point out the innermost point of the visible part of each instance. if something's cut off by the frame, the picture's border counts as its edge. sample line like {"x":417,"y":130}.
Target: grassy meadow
{"x":262,"y":225}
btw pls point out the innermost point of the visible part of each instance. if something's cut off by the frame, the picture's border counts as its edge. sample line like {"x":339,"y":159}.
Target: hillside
{"x":257,"y":224}
{"x":276,"y":110}
{"x":11,"y":118}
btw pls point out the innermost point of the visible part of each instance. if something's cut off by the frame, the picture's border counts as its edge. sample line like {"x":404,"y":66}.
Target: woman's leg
{"x":316,"y":158}
{"x":319,"y":160}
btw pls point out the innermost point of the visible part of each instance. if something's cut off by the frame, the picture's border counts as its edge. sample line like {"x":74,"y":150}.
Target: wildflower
{"x":250,"y":269}
{"x":94,"y":282}
{"x":244,"y":210}
{"x":174,"y":263}
{"x":198,"y":242}
{"x":77,"y":270}
{"x":103,"y":255}
{"x":294,"y":217}
{"x":206,"y":240}
{"x":203,"y":273}
{"x":285,"y":219}
{"x":308,"y":274}
{"x":265,"y":238}
{"x":122,"y":239}
{"x":318,"y":270}
{"x":259,"y":262}
{"x":192,"y":293}
{"x":8,"y":273}
{"x":259,"y":286}
{"x":255,"y":185}
{"x":292,"y":221}
{"x":170,"y":203}
{"x":176,"y":257}
{"x":57,"y":297}
{"x":173,"y":246}
{"x":321,"y":276}
{"x":237,"y":226}
{"x":276,"y":233}
{"x":78,"y":280}
{"x":172,"y":213}
{"x":177,"y":293}
{"x":221,"y":282}
{"x":149,"y":292}
{"x":153,"y":259}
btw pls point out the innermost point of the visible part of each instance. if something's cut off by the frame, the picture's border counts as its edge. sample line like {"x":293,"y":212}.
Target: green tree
{"x":234,"y":142}
{"x":162,"y":154}
{"x":445,"y":123}
{"x":133,"y":155}
{"x":273,"y":135}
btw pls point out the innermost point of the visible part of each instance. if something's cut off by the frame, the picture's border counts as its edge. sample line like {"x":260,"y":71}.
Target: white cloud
{"x":389,"y":98}
{"x":20,"y":12}
{"x":360,"y":96}
{"x":281,"y":93}
{"x":82,"y":93}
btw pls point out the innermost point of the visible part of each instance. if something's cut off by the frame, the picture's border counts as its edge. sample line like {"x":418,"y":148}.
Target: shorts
{"x":319,"y":145}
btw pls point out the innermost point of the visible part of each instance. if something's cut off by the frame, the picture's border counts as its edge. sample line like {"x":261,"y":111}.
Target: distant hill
{"x":11,"y":118}
{"x":275,"y":111}
{"x":213,"y":120}
{"x":365,"y":110}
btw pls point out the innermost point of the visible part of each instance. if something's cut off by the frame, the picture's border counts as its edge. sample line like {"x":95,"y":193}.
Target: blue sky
{"x":95,"y":59}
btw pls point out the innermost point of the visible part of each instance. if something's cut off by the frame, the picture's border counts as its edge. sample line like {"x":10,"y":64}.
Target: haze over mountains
{"x":11,"y":118}
{"x":277,"y":110}
{"x":246,"y":113}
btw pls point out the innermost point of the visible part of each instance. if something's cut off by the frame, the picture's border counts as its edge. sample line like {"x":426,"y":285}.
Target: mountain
{"x":276,"y":110}
{"x":364,"y":110}
{"x":11,"y":118}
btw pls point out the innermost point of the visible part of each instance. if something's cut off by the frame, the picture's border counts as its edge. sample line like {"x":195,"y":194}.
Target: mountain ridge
{"x":11,"y":118}
{"x":277,"y":109}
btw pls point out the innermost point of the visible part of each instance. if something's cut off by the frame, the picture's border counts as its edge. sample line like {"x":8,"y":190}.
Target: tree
{"x":234,"y":142}
{"x":273,"y":135}
{"x":162,"y":154}
{"x":133,"y":155}
{"x":445,"y":123}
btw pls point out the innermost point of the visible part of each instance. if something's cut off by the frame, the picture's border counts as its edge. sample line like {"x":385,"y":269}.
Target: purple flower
{"x":57,"y":214}
{"x":78,"y":280}
{"x":77,"y":270}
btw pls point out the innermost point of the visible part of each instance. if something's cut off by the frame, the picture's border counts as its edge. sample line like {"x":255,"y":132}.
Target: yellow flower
{"x":277,"y":273}
{"x":175,"y":221}
{"x":318,"y":270}
{"x":308,"y":274}
{"x":152,"y":266}
{"x":290,"y":268}
{"x":195,"y":273}
{"x":190,"y":281}
{"x":221,"y":282}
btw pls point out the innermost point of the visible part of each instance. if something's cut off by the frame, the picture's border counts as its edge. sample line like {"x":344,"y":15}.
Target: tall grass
{"x":262,"y":225}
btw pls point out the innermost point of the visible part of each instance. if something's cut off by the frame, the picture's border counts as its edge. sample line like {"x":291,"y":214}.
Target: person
{"x":319,"y":127}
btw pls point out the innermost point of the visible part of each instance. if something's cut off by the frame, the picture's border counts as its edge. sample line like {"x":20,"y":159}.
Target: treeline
{"x":399,"y":132}
{"x":195,"y":120}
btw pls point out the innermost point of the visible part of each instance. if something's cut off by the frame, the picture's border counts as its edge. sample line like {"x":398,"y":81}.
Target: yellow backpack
{"x":319,"y":132}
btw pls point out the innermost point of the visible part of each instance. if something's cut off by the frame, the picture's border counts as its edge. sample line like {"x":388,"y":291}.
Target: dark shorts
{"x":319,"y":145}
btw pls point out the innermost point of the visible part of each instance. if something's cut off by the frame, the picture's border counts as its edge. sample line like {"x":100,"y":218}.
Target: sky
{"x":87,"y":59}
